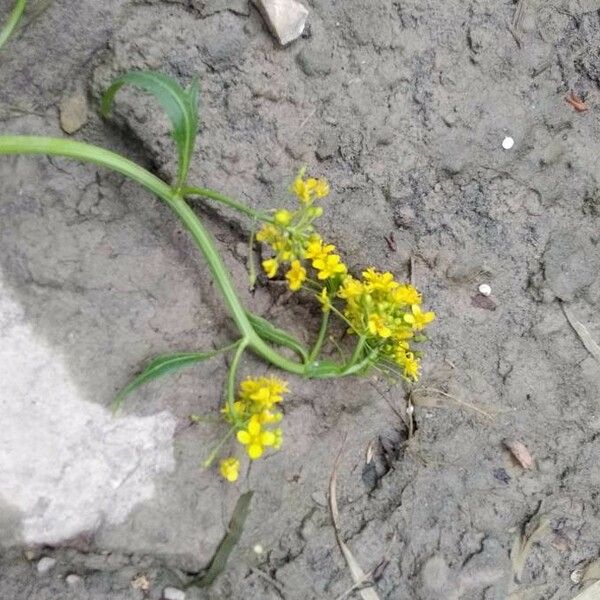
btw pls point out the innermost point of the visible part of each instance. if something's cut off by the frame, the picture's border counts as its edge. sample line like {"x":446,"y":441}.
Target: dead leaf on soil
{"x":591,"y":593}
{"x":584,"y":335}
{"x":532,"y":532}
{"x":577,"y":103}
{"x":358,"y":575}
{"x":520,"y":452}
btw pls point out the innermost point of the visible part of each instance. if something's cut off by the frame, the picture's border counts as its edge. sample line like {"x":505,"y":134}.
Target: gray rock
{"x":172,"y":593}
{"x":285,"y":18}
{"x":45,"y":565}
{"x":73,"y":112}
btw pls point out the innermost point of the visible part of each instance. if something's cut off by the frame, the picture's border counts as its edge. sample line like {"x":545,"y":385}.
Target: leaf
{"x":162,"y":365}
{"x":228,"y":543}
{"x":270,"y":333}
{"x":181,"y":106}
{"x":12,"y":21}
{"x":584,"y":335}
{"x":519,"y":451}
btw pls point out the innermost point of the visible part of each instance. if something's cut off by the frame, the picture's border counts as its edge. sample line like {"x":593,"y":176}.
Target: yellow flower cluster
{"x":387,"y":314}
{"x":254,"y":412}
{"x":293,"y":240}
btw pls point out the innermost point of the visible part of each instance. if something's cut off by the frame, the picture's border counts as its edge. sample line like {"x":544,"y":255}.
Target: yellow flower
{"x":265,"y":391}
{"x":351,"y":288}
{"x":307,"y":189}
{"x":267,"y":417}
{"x":239,"y":408}
{"x":317,"y":251}
{"x":296,"y":275}
{"x":301,"y":190}
{"x":383,"y":282}
{"x":267,"y":233}
{"x":330,"y":266}
{"x":406,"y":294}
{"x":411,"y":366}
{"x":321,"y":188}
{"x":270,"y":266}
{"x":377,"y":326}
{"x":324,"y":299}
{"x":418,"y":319}
{"x":283,"y":217}
{"x":255,"y":438}
{"x":230,"y":468}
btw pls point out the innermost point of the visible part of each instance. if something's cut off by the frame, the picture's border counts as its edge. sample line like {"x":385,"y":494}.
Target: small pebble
{"x":258,"y":549}
{"x":485,"y":289}
{"x":577,"y":576}
{"x":73,"y":580}
{"x":508,"y":143}
{"x":172,"y":593}
{"x":45,"y":564}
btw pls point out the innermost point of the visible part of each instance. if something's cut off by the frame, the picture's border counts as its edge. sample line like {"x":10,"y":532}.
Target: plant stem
{"x":209,"y":459}
{"x":12,"y":22}
{"x":360,"y":344}
{"x":233,"y":367}
{"x":106,"y":158}
{"x":321,"y":337}
{"x":213,"y":195}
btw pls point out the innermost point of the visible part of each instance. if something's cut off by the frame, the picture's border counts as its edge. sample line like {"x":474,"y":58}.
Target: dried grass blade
{"x":584,"y":335}
{"x":358,"y":575}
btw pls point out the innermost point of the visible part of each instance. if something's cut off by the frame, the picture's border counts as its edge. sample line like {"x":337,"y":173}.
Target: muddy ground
{"x":403,"y":107}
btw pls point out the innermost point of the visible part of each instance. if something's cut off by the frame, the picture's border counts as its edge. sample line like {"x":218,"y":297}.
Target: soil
{"x":403,"y":106}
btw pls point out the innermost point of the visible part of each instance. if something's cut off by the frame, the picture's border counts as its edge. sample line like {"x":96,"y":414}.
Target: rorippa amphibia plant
{"x":384,"y":317}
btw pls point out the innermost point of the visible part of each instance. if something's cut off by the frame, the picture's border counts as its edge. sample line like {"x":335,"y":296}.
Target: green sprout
{"x":12,"y":22}
{"x":382,"y":314}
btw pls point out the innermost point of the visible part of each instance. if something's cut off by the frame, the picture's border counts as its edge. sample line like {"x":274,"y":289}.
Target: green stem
{"x":105,"y":158}
{"x":321,"y":337}
{"x":12,"y":22}
{"x":209,"y":459}
{"x":213,"y":195}
{"x":233,"y":367}
{"x":358,"y":350}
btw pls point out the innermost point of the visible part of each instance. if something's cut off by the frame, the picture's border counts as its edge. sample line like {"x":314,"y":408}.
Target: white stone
{"x":172,"y":593}
{"x":285,"y":18}
{"x":508,"y":143}
{"x":485,"y":289}
{"x":45,"y":564}
{"x":73,"y":580}
{"x":67,"y":464}
{"x":258,"y":549}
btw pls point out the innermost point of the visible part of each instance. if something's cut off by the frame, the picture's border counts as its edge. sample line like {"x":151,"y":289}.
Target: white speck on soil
{"x":508,"y":143}
{"x":485,"y":289}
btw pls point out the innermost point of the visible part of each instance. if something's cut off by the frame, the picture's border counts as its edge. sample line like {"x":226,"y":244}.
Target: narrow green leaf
{"x":181,"y":106}
{"x":162,"y":365}
{"x":12,"y":21}
{"x":228,"y":543}
{"x":270,"y":333}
